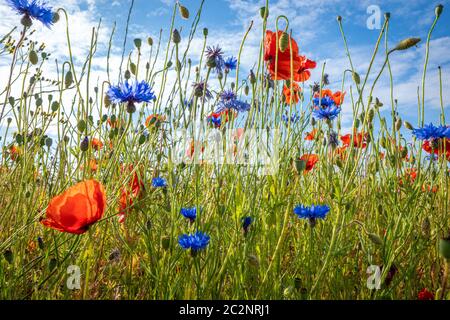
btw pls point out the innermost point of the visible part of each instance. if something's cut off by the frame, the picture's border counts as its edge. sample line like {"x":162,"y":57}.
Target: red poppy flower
{"x":338,"y":96}
{"x":311,"y":160}
{"x":190,"y":151}
{"x":310,"y":136}
{"x":96,"y":144}
{"x":359,"y":141}
{"x":77,"y":208}
{"x":280,"y":64}
{"x":154,"y":120}
{"x":294,"y":96}
{"x":424,"y":294}
{"x":438,"y":147}
{"x":130,"y":192}
{"x":115,"y":123}
{"x":14,"y":152}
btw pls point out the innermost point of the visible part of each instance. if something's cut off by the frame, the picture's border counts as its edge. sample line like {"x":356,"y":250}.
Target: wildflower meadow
{"x":173,"y":175}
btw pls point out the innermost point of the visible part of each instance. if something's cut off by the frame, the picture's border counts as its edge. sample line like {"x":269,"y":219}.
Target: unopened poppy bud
{"x":246,"y":90}
{"x":169,"y":64}
{"x":313,"y":122}
{"x":371,"y":114}
{"x":252,"y":77}
{"x":133,"y":68}
{"x":220,"y":76}
{"x":150,"y":41}
{"x":375,"y":239}
{"x":233,"y":86}
{"x":407,"y":43}
{"x":205,"y":32}
{"x":68,"y":79}
{"x":184,"y":12}
{"x":284,"y":42}
{"x":26,"y":21}
{"x":165,"y":242}
{"x":176,"y":38}
{"x":107,"y":101}
{"x":408,"y":125}
{"x":8,"y":255}
{"x":444,"y":248}
{"x":438,"y":10}
{"x":33,"y":57}
{"x":356,"y":78}
{"x":264,"y":12}
{"x":81,"y":125}
{"x":398,"y":124}
{"x":55,"y":18}
{"x":127,"y":75}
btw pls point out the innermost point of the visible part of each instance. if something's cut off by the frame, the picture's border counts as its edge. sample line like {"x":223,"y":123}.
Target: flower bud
{"x":339,"y":18}
{"x":133,"y":68}
{"x":127,"y":75}
{"x":407,"y":43}
{"x":81,"y":125}
{"x":26,"y":21}
{"x":33,"y":57}
{"x":356,"y":78}
{"x":184,"y":12}
{"x":264,"y":12}
{"x":438,"y":10}
{"x":84,"y":145}
{"x":8,"y":255}
{"x":375,"y":239}
{"x":176,"y":38}
{"x":205,"y":32}
{"x":165,"y":242}
{"x":131,"y":108}
{"x":68,"y":79}
{"x":55,"y":18}
{"x":150,"y":41}
{"x":387,"y":15}
{"x":284,"y":42}
{"x":398,"y":124}
{"x":408,"y":125}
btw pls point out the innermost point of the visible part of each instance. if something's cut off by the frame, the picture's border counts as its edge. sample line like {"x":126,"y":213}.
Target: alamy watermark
{"x":373,"y":22}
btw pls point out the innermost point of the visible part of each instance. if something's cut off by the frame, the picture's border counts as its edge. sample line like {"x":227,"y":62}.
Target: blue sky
{"x":313,"y":24}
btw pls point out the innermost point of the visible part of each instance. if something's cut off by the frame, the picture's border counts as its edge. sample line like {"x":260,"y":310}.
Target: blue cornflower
{"x":432,"y":132}
{"x":136,"y":92}
{"x":159,"y":182}
{"x":246,"y":222}
{"x":195,"y":242}
{"x":34,"y":9}
{"x":294,"y":118}
{"x":230,"y":64}
{"x":324,"y":102}
{"x":312,"y":213}
{"x":228,"y":100}
{"x":327,"y":113}
{"x":215,"y":58}
{"x":189,"y":213}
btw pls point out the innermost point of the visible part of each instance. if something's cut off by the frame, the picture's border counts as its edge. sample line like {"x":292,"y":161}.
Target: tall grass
{"x":377,"y":217}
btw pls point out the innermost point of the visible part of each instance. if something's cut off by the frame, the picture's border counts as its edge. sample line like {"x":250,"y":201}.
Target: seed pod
{"x":142,"y":139}
{"x":48,"y":142}
{"x":33,"y":57}
{"x":407,"y":43}
{"x":169,"y":64}
{"x":339,"y":18}
{"x":184,"y":12}
{"x":356,"y":78}
{"x":38,"y":102}
{"x":246,"y":90}
{"x":138,"y":43}
{"x":107,"y":101}
{"x":284,"y":42}
{"x":408,"y":125}
{"x":150,"y":41}
{"x":438,"y":10}
{"x":264,"y":12}
{"x":205,"y":32}
{"x":133,"y":68}
{"x":19,"y":138}
{"x":68,"y":79}
{"x":387,"y":15}
{"x":176,"y":37}
{"x":375,"y":239}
